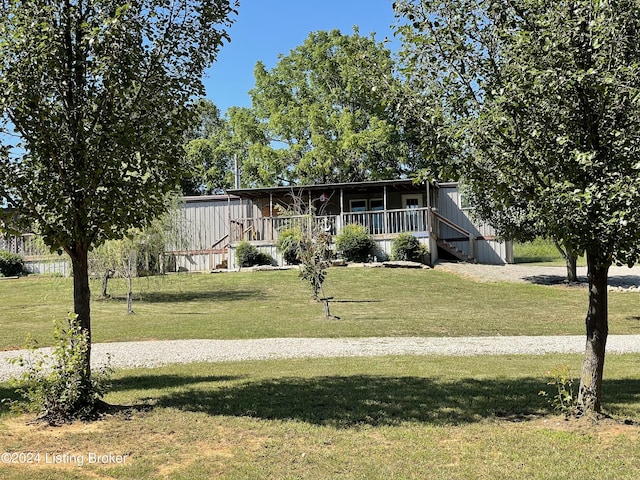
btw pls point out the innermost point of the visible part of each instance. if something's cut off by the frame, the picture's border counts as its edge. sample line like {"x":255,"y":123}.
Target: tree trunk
{"x":130,"y":297}
{"x":105,"y":282}
{"x":81,"y":302}
{"x":570,"y":259}
{"x":590,"y":393}
{"x":572,"y":268}
{"x":132,"y":262}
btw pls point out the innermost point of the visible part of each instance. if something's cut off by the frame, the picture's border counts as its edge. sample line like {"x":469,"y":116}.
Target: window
{"x":358,"y":205}
{"x":465,"y":202}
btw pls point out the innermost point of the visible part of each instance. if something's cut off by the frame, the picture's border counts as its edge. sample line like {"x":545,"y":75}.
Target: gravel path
{"x":156,"y":353}
{"x":620,"y":278}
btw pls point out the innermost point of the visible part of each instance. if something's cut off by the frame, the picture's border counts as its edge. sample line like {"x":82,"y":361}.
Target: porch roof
{"x":403,"y":185}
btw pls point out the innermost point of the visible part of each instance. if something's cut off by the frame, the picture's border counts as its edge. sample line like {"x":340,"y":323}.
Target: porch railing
{"x":24,"y":245}
{"x":377,"y":222}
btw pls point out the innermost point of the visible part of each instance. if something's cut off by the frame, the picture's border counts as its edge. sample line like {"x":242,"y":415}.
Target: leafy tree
{"x":211,"y":150}
{"x":322,"y":115}
{"x":541,"y":103}
{"x":97,"y":96}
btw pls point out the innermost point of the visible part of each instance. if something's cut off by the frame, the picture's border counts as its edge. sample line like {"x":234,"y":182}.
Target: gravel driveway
{"x":156,"y":353}
{"x":619,"y":277}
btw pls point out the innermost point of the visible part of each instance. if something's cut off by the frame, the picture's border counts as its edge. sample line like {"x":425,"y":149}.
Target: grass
{"x":540,"y":252}
{"x":388,"y":417}
{"x":370,"y":302}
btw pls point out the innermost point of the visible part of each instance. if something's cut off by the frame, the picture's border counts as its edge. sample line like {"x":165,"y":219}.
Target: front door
{"x":413,"y":220}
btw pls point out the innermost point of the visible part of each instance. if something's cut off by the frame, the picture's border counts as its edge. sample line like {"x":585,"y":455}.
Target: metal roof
{"x":403,"y":185}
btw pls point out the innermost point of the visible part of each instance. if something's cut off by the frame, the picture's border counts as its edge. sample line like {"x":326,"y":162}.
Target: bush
{"x":407,"y":247}
{"x":10,"y":264}
{"x":56,"y":386}
{"x":248,"y":255}
{"x":289,"y":245}
{"x":354,"y":243}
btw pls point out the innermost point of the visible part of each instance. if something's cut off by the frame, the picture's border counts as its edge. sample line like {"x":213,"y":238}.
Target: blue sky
{"x":266,"y":28}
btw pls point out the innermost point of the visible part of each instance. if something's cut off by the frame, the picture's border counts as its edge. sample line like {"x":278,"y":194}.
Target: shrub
{"x":248,"y":255}
{"x":10,"y":264}
{"x":564,"y":399}
{"x":55,"y":386}
{"x":354,"y":243}
{"x":407,"y":247}
{"x":289,"y":245}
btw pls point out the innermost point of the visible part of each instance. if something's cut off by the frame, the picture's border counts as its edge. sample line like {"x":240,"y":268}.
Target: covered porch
{"x":385,"y":208}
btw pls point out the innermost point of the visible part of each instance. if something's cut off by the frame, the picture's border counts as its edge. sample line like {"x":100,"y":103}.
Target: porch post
{"x":428,"y":209}
{"x":341,"y":209}
{"x":385,"y":220}
{"x":272,"y":232}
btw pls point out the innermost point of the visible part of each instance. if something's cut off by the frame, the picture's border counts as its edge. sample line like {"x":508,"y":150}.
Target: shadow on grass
{"x":212,"y":296}
{"x":349,"y":401}
{"x":552,"y":280}
{"x":145,"y":382}
{"x":7,"y":393}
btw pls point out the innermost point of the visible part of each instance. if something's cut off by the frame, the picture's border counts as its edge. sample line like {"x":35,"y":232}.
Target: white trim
{"x":412,"y":196}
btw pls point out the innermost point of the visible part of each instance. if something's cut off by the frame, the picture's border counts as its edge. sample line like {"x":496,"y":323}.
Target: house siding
{"x":488,"y":249}
{"x":204,"y":221}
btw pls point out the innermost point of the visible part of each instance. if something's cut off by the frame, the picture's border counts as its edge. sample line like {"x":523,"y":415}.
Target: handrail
{"x":453,"y":225}
{"x":469,"y":235}
{"x":219,"y":241}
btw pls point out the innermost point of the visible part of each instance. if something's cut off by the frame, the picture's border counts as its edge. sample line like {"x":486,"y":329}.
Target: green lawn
{"x":540,"y":252}
{"x":369,"y":302}
{"x":346,"y":418}
{"x":375,"y":418}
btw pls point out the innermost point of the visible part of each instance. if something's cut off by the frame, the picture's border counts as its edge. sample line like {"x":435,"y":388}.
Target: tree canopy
{"x":97,"y":96}
{"x":322,"y":115}
{"x":211,"y":151}
{"x":540,"y":101}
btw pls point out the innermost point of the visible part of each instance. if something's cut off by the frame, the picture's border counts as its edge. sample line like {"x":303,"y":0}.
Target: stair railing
{"x":466,"y":233}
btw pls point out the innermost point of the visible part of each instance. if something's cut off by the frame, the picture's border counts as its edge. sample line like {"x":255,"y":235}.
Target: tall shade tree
{"x":212,"y":150}
{"x":542,"y":102}
{"x":97,"y":96}
{"x":322,"y":115}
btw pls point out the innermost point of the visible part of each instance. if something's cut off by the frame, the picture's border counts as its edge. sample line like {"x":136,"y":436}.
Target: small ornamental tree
{"x":307,"y":243}
{"x":97,"y":97}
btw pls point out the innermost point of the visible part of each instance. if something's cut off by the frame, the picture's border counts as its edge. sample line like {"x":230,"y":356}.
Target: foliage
{"x":564,"y":399}
{"x":354,"y":243}
{"x":57,"y":386}
{"x":322,"y":115}
{"x":211,"y":151}
{"x":11,"y":264}
{"x":288,"y":244}
{"x":540,"y":101}
{"x":98,"y":97}
{"x":315,"y":259}
{"x":247,"y":255}
{"x":407,"y":247}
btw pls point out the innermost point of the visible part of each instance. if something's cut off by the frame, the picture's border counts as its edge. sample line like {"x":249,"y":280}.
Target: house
{"x":434,"y":213}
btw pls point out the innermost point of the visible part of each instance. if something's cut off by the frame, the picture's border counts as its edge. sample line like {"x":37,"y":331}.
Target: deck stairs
{"x":455,"y":251}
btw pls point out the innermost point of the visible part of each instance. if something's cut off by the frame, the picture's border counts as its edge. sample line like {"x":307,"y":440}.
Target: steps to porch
{"x":454,"y":251}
